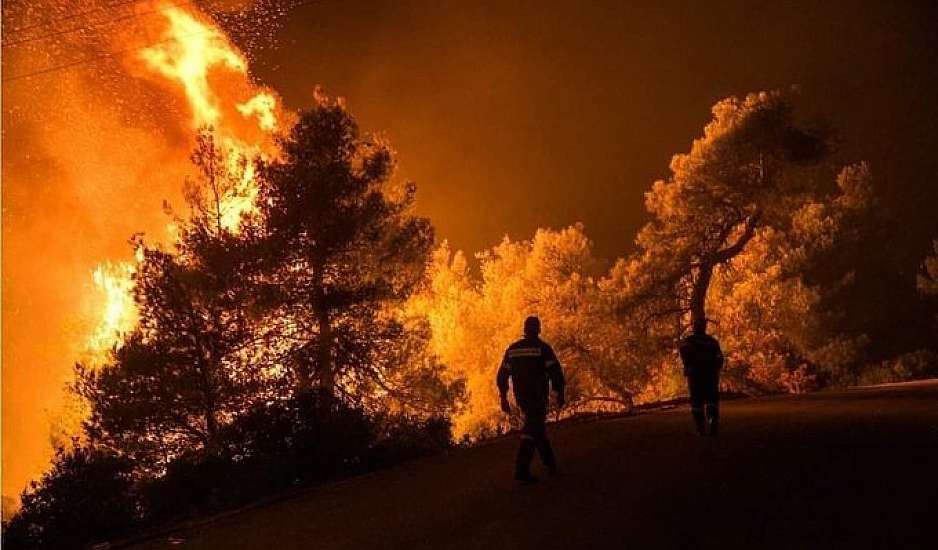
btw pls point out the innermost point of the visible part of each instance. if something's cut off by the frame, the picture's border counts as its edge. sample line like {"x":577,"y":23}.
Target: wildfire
{"x":264,"y":106}
{"x":189,"y":51}
{"x":118,"y":314}
{"x":196,"y":58}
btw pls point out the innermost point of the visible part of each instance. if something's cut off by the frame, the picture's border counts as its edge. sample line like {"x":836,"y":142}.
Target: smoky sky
{"x":516,"y":115}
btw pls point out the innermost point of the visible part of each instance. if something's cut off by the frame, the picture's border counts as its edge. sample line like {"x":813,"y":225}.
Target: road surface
{"x":848,"y":469}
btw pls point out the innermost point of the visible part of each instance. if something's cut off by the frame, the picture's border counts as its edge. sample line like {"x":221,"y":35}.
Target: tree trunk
{"x":324,"y":353}
{"x":211,"y":425}
{"x":324,"y":361}
{"x":698,"y":297}
{"x":204,"y":362}
{"x":304,"y":381}
{"x":208,"y":392}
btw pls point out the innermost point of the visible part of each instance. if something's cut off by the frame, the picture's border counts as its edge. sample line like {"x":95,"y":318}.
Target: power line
{"x":74,"y":15}
{"x":96,"y":58}
{"x":91,"y":59}
{"x":105,"y":23}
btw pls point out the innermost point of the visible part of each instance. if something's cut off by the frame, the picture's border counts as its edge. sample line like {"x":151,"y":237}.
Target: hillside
{"x":838,"y":469}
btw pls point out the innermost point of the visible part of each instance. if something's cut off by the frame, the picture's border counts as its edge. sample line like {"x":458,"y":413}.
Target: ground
{"x":854,"y":468}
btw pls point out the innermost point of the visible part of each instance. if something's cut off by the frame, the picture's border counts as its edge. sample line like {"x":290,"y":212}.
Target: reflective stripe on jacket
{"x":532,"y":367}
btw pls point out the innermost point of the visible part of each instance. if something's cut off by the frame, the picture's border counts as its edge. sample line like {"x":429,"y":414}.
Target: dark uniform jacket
{"x":701,"y":354}
{"x":532,"y":367}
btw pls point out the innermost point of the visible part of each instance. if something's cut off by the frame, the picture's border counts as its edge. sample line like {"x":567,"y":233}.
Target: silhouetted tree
{"x":338,"y":246}
{"x":741,"y":220}
{"x":88,"y":493}
{"x":187,"y":367}
{"x":196,"y":410}
{"x":737,"y":177}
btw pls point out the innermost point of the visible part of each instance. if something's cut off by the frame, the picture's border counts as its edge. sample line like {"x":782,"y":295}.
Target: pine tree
{"x":337,"y":245}
{"x":186,"y":370}
{"x":740,"y":176}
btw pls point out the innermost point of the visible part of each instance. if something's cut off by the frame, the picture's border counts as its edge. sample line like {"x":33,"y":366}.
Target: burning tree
{"x":187,"y":368}
{"x":302,"y":289}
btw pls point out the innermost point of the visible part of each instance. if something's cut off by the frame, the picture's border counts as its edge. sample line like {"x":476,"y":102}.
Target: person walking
{"x":703,"y":359}
{"x":532,"y":368}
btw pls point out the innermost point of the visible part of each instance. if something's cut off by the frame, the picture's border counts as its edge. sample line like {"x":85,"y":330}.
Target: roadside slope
{"x":853,"y":468}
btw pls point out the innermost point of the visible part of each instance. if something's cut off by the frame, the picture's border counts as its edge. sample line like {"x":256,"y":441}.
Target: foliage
{"x":210,"y":401}
{"x":276,"y":446}
{"x":268,"y":448}
{"x":473,"y":321}
{"x":735,"y":233}
{"x":741,"y":229}
{"x":188,"y":368}
{"x":743,"y":174}
{"x":87,"y":492}
{"x":336,"y":248}
{"x":909,"y":366}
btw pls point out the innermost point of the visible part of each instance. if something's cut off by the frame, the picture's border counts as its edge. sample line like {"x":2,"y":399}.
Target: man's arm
{"x":504,"y":373}
{"x":555,"y":374}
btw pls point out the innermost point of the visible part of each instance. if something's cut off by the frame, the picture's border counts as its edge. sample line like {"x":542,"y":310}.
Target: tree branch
{"x":733,"y":250}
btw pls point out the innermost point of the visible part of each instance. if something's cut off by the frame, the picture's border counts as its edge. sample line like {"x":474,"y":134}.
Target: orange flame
{"x":118,"y":314}
{"x":190,"y":50}
{"x":188,"y":56}
{"x":263,"y":105}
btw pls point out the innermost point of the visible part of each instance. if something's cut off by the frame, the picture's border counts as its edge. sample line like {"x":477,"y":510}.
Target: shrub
{"x":92,"y":494}
{"x":914,"y":365}
{"x":405,"y":437}
{"x":88,"y":492}
{"x":293,"y":442}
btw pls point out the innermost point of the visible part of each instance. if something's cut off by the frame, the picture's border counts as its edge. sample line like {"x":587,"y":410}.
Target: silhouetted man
{"x":703,"y":360}
{"x":532,"y":367}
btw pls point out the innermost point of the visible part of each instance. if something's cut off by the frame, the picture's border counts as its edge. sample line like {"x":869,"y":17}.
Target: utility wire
{"x":74,"y":15}
{"x":91,"y":59}
{"x":105,"y":23}
{"x":96,"y":58}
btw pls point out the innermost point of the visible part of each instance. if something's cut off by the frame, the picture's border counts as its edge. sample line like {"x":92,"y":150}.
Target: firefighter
{"x":532,"y":367}
{"x":703,"y":360}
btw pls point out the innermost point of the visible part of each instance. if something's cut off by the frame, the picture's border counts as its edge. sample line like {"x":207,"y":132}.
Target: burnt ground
{"x":848,"y":469}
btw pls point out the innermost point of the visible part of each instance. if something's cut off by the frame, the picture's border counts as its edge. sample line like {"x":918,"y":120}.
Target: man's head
{"x":532,"y":326}
{"x":700,"y":326}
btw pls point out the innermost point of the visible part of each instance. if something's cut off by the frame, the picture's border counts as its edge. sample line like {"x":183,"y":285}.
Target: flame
{"x":263,"y":105}
{"x":196,"y":58}
{"x":241,"y":200}
{"x":118,"y":315}
{"x":189,"y":51}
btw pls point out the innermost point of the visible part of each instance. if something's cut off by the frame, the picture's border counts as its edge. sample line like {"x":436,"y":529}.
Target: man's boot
{"x":523,"y":461}
{"x":699,"y":420}
{"x":547,"y":456}
{"x":713,"y":419}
